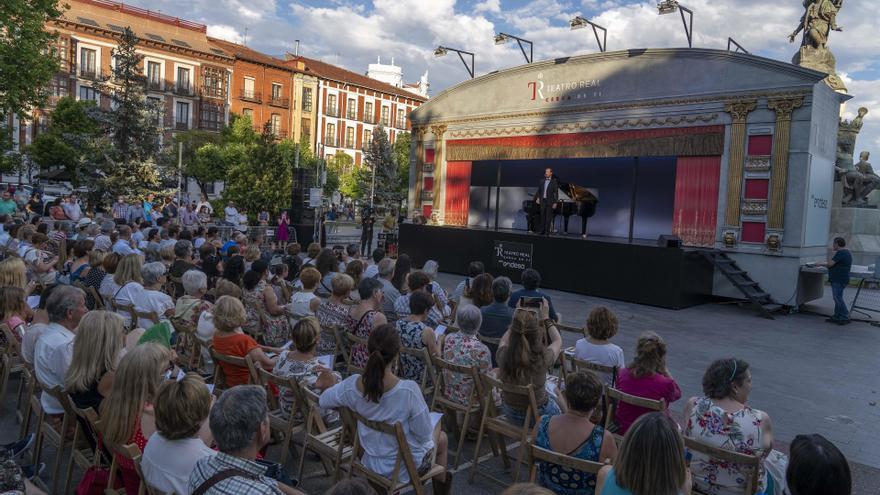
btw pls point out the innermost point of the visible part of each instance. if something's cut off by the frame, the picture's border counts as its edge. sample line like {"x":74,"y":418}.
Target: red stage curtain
{"x":458,"y":192}
{"x":696,"y":199}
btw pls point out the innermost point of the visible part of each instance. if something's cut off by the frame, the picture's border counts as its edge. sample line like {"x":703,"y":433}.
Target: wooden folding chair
{"x":29,"y":389}
{"x":442,"y":404}
{"x":572,"y":364}
{"x":150,"y":316}
{"x":715,"y":455}
{"x":127,"y":309}
{"x":329,"y":444}
{"x":133,"y":454}
{"x":614,"y":396}
{"x":351,"y":341}
{"x":11,"y":362}
{"x":489,"y":340}
{"x":427,"y":380}
{"x":538,"y":454}
{"x":404,"y":458}
{"x":286,"y":425}
{"x":57,"y":437}
{"x":84,"y":430}
{"x":219,"y":376}
{"x":495,"y":423}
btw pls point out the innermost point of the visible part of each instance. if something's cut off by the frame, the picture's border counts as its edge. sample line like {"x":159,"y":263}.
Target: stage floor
{"x":613,"y":268}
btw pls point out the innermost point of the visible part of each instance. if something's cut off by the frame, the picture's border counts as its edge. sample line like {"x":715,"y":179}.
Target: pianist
{"x":547,"y":197}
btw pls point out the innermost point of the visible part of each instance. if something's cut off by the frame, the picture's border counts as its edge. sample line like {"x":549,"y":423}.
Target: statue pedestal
{"x":822,"y":60}
{"x":861,"y":229}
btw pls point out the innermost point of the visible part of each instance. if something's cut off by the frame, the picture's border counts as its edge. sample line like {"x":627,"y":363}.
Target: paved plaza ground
{"x":809,"y":376}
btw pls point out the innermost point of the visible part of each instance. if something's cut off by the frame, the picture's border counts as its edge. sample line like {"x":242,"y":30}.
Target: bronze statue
{"x":859,"y":182}
{"x":819,"y":19}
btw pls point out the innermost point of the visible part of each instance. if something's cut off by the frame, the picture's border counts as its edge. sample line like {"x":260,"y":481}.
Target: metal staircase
{"x":740,"y":279}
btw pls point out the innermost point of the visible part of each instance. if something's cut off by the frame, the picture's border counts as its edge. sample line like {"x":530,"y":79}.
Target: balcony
{"x":92,"y":74}
{"x":156,"y":85}
{"x":251,"y":95}
{"x":330,"y":141}
{"x":332,"y":112}
{"x":214,"y":92}
{"x":184,"y":90}
{"x":279,"y":102}
{"x":211,"y":125}
{"x":181,"y":126}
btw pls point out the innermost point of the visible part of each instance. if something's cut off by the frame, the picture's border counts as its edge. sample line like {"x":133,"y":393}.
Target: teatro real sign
{"x":552,"y":91}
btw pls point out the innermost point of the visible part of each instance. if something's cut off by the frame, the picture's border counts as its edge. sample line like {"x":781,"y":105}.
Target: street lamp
{"x":502,"y":38}
{"x":669,"y":7}
{"x":580,"y":23}
{"x":441,"y":51}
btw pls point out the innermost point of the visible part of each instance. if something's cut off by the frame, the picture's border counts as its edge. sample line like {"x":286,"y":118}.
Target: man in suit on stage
{"x":547,"y":197}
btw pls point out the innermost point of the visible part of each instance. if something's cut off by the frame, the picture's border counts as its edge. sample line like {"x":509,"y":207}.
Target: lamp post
{"x":738,"y":47}
{"x":502,"y":38}
{"x":670,"y":7}
{"x":580,"y":23}
{"x":441,"y":51}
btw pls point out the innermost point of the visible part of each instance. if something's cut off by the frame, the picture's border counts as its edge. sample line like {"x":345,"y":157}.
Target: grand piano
{"x":573,"y":200}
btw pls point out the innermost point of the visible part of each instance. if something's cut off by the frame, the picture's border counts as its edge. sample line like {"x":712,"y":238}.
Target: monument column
{"x":784,"y":107}
{"x":416,"y":203}
{"x":439,"y":173}
{"x":739,"y":112}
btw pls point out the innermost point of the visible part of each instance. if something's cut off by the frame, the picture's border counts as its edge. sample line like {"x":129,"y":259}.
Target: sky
{"x":353,"y":33}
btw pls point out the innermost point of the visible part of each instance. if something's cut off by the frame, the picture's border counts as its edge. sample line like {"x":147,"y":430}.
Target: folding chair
{"x":82,"y":457}
{"x":277,"y":421}
{"x":128,"y":309}
{"x":151,"y":316}
{"x":614,"y":396}
{"x":57,"y":437}
{"x":133,"y":454}
{"x":441,"y":404}
{"x":572,"y":364}
{"x":351,"y":341}
{"x":328,"y":444}
{"x":404,"y":458}
{"x":538,"y":454}
{"x":494,"y":422}
{"x":719,"y":456}
{"x":219,"y":375}
{"x":427,"y":380}
{"x":29,"y":389}
{"x":12,"y":362}
{"x":489,"y":340}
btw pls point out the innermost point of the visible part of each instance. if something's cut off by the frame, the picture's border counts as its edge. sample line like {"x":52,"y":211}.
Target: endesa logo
{"x":569,"y":90}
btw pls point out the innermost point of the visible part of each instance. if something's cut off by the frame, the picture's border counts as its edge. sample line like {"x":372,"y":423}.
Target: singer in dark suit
{"x":547,"y":197}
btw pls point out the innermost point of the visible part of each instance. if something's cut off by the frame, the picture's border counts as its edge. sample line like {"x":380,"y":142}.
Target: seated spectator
{"x":53,"y":351}
{"x":415,"y":333}
{"x":372,"y":270}
{"x":650,"y":461}
{"x":474,"y":268}
{"x":102,"y":239}
{"x":355,"y":270}
{"x":40,"y":261}
{"x":166,"y":255}
{"x":153,"y":242}
{"x":192,"y":304}
{"x":431,"y":269}
{"x":107,"y":286}
{"x":301,"y":364}
{"x":39,"y":323}
{"x":526,"y":489}
{"x":79,"y":267}
{"x":333,"y":312}
{"x":386,"y":271}
{"x":419,"y":282}
{"x":464,"y":349}
{"x":293,"y":261}
{"x":478,"y":292}
{"x":124,"y":245}
{"x":573,"y":434}
{"x":127,"y":413}
{"x":251,"y":254}
{"x":312,"y":253}
{"x":14,"y":311}
{"x":129,"y":280}
{"x":95,"y":275}
{"x":13,"y":273}
{"x":210,"y":262}
{"x":97,"y":349}
{"x":262,"y":307}
{"x":182,"y":435}
{"x":817,"y":467}
{"x":402,"y":267}
{"x":646,"y":376}
{"x":722,"y":419}
{"x":380,"y":395}
{"x":239,"y":422}
{"x":233,"y":269}
{"x":365,"y":317}
{"x":596,"y":346}
{"x":228,"y":317}
{"x":305,"y":302}
{"x":497,"y":315}
{"x":524,"y":359}
{"x":183,"y":262}
{"x":205,"y":327}
{"x":152,"y":299}
{"x":531,"y":280}
{"x":278,"y":280}
{"x":328,"y":265}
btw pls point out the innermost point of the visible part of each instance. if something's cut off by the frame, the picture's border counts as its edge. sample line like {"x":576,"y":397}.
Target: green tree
{"x":202,"y":158}
{"x":340,"y":169}
{"x":379,"y":173}
{"x":401,"y":159}
{"x":69,"y":140}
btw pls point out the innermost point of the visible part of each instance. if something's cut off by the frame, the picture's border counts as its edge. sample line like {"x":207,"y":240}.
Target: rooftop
{"x":334,"y":73}
{"x":147,"y":14}
{"x":251,"y":55}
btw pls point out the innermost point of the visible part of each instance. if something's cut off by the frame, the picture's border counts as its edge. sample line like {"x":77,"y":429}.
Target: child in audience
{"x":596,"y":346}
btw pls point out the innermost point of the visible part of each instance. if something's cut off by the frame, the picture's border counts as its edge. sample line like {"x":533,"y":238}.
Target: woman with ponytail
{"x":379,"y":395}
{"x":646,"y":376}
{"x":524,"y":358}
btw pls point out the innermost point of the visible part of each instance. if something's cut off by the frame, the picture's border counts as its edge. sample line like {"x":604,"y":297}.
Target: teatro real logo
{"x":568,"y":90}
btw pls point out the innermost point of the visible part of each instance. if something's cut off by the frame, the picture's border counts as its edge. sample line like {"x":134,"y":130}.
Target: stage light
{"x":670,"y":7}
{"x":441,"y":51}
{"x":667,"y":7}
{"x":580,"y":23}
{"x":502,"y":38}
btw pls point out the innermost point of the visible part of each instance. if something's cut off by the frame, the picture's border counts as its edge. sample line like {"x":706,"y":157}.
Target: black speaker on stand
{"x":303,"y":180}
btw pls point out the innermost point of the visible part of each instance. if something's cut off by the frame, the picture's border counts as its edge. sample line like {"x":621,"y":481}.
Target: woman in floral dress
{"x":464,"y":349}
{"x":364,"y":317}
{"x":722,"y":419}
{"x":258,"y":295}
{"x":415,"y":334}
{"x":333,"y":312}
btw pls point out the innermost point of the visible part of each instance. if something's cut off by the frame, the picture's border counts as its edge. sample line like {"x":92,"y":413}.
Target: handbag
{"x":94,"y":481}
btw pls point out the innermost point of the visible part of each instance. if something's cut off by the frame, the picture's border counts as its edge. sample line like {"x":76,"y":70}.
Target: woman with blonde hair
{"x":251,"y":254}
{"x":97,"y":349}
{"x":127,"y":413}
{"x":524,"y":359}
{"x":646,"y":376}
{"x":229,"y":339}
{"x":14,"y":311}
{"x":355,"y":270}
{"x":130,"y":282}
{"x":333,"y":311}
{"x":13,"y":273}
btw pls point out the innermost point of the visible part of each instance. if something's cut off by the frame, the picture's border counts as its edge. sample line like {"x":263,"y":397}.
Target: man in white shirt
{"x":54,"y":350}
{"x":123,"y":244}
{"x":72,"y":209}
{"x":372,"y":270}
{"x":231,"y":214}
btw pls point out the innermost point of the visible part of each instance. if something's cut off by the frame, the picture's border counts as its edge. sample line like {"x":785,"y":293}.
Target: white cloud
{"x":224,"y":32}
{"x":493,"y":6}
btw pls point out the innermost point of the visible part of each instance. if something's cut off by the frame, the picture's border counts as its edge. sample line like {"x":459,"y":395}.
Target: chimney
{"x":296,"y":48}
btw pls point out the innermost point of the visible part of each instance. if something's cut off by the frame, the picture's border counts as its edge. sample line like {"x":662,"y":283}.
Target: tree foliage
{"x":379,"y":174}
{"x":69,"y":140}
{"x":401,"y":158}
{"x":201,"y":161}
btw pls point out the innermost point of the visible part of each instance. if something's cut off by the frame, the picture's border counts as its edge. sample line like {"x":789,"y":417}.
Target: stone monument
{"x":819,"y":19}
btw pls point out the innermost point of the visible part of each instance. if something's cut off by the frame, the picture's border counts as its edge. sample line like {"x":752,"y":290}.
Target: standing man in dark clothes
{"x":367,"y":221}
{"x":547,"y":197}
{"x":838,"y":275}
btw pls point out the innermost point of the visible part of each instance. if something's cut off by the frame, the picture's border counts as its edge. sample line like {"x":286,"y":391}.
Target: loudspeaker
{"x":303,"y":179}
{"x":669,"y":240}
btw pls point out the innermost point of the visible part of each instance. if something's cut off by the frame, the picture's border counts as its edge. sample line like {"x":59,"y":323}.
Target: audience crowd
{"x":201,"y":351}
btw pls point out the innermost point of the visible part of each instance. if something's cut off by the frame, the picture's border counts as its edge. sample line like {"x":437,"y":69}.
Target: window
{"x":401,"y":119}
{"x":368,"y":137}
{"x":330,"y":135}
{"x":331,"y":105}
{"x":307,"y":100}
{"x":158,"y":109}
{"x":182,"y":119}
{"x":385,"y":112}
{"x":154,"y":75}
{"x":87,"y":93}
{"x":349,"y":137}
{"x":249,"y":92}
{"x":306,"y":128}
{"x":88,"y":60}
{"x":211,"y":188}
{"x":276,"y":91}
{"x":352,"y":109}
{"x":210,"y":116}
{"x":276,"y":125}
{"x":183,"y":81}
{"x":59,"y":86}
{"x":249,"y":113}
{"x":368,"y":112}
{"x":213,"y":82}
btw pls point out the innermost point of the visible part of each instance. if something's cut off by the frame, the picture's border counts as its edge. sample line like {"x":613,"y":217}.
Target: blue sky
{"x":353,"y":33}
